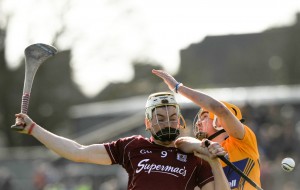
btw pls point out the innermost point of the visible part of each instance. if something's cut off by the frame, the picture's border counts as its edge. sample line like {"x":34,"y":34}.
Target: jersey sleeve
{"x":117,"y":150}
{"x":250,"y":138}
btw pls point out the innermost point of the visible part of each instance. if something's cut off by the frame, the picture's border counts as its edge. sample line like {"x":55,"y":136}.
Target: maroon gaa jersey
{"x":155,"y":167}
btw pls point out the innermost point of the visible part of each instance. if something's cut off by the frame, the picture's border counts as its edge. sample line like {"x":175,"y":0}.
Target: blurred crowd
{"x":278,"y":132}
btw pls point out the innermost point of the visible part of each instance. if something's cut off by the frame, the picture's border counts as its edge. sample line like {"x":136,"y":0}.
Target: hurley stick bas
{"x":35,"y":55}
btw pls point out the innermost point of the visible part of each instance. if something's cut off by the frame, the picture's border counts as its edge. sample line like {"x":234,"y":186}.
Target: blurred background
{"x":94,"y":90}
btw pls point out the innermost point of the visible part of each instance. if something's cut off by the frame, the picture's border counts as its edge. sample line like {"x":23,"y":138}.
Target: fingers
{"x":218,"y":152}
{"x":157,"y":72}
{"x":21,"y":115}
{"x":168,"y":79}
{"x":154,"y":71}
{"x":20,"y":119}
{"x":211,"y":149}
{"x":216,"y":149}
{"x":160,"y":74}
{"x":23,"y":119}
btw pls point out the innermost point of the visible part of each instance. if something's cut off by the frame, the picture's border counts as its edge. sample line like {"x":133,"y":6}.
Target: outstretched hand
{"x":168,"y":79}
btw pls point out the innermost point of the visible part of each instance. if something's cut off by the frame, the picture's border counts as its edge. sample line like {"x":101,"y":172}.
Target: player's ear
{"x":183,"y":124}
{"x":147,"y":124}
{"x":218,"y":123}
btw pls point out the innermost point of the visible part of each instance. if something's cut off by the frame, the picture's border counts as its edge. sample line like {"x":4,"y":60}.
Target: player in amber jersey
{"x":152,"y":163}
{"x":222,"y":122}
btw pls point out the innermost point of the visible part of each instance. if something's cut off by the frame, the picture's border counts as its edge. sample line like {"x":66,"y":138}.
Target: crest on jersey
{"x":181,"y":157}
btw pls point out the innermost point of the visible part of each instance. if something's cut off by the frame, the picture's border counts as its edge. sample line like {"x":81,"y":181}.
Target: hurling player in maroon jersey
{"x":151,"y":163}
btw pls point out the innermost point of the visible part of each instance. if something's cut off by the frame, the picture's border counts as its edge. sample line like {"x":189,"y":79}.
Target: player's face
{"x":165,"y":123}
{"x":165,"y":116}
{"x":203,"y":125}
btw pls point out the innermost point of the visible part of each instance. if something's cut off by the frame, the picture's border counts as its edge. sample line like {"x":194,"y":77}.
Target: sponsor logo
{"x":147,"y":167}
{"x":181,"y":157}
{"x":143,"y":151}
{"x":232,"y":183}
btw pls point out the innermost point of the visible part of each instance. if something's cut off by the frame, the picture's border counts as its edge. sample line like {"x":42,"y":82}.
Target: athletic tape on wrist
{"x":31,"y":128}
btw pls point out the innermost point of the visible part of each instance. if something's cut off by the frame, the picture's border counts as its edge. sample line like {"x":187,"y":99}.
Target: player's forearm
{"x":62,"y":146}
{"x":202,"y":100}
{"x":188,"y":144}
{"x":199,"y":98}
{"x":221,"y":182}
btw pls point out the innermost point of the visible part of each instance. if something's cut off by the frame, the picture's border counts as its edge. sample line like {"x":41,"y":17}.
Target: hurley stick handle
{"x":24,"y":109}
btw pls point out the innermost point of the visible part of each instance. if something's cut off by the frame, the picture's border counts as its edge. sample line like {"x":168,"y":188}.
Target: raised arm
{"x":227,"y":120}
{"x":69,"y":149}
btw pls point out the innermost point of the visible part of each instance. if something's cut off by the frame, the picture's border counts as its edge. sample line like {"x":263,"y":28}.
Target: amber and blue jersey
{"x":244,"y":155}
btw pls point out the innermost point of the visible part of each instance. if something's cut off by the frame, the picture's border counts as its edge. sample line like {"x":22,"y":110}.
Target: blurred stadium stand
{"x":273,"y":113}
